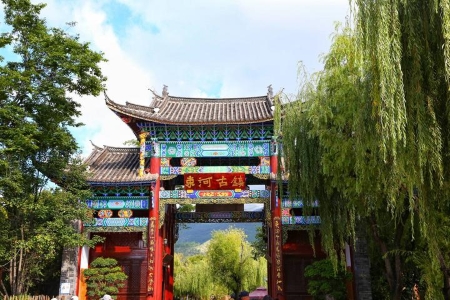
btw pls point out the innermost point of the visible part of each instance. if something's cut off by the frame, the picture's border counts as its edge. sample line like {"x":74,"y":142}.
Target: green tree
{"x":370,"y":140}
{"x":104,"y":276}
{"x":231,"y":261}
{"x":260,"y":243}
{"x":193,"y":279}
{"x":47,"y":66}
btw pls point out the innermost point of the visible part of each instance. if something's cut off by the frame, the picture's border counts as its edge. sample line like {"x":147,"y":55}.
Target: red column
{"x":155,"y":238}
{"x":169,"y":250}
{"x":276,"y":288}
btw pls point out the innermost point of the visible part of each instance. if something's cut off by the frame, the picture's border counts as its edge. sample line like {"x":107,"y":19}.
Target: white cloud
{"x":198,"y":48}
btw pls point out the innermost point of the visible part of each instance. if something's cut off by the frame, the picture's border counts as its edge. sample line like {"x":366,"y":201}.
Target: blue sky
{"x":198,"y":48}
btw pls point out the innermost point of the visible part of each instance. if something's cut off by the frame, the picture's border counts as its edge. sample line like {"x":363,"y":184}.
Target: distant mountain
{"x":201,"y":232}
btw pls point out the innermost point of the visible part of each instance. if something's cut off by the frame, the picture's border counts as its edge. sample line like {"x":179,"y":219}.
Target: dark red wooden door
{"x":295,"y":283}
{"x":128,"y":249}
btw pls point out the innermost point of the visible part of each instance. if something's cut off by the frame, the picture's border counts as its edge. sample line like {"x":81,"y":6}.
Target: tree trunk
{"x":393,"y":268}
{"x":446,"y":275}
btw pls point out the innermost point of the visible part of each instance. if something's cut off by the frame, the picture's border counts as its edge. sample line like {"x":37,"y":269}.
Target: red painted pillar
{"x":276,"y":240}
{"x":155,"y":238}
{"x":169,"y":250}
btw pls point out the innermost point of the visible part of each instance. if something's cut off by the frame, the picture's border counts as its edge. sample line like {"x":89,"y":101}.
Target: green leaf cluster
{"x":193,"y":277}
{"x":368,"y":139}
{"x":231,"y":259}
{"x":324,"y":282}
{"x":104,"y":276}
{"x":228,"y":266}
{"x":47,"y":67}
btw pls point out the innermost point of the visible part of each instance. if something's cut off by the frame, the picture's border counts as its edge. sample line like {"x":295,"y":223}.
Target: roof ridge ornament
{"x":157,"y":98}
{"x":270,"y":92}
{"x":270,"y":97}
{"x":165,"y":95}
{"x":95,"y":146}
{"x":165,"y":92}
{"x":154,"y":93}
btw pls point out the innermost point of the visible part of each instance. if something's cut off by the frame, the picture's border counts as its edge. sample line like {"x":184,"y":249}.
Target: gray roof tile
{"x":115,"y":164}
{"x":182,"y":110}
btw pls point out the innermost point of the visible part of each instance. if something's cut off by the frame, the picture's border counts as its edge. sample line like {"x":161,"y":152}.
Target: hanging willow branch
{"x":369,"y":136}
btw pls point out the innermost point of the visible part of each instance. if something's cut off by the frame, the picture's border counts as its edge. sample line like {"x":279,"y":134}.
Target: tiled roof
{"x":180,"y":110}
{"x":115,"y":164}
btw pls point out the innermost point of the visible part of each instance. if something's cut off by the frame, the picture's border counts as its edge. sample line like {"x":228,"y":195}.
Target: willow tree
{"x":232,"y":262}
{"x":370,"y":137}
{"x":193,"y":278}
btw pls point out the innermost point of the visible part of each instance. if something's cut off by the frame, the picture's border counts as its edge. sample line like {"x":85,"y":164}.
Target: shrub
{"x":104,"y":276}
{"x":323,"y":281}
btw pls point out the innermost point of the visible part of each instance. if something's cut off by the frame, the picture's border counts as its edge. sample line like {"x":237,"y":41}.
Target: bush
{"x":104,"y":277}
{"x":323,"y":281}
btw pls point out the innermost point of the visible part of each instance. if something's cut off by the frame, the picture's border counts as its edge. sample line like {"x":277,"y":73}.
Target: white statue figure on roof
{"x":270,"y":91}
{"x":164,"y":91}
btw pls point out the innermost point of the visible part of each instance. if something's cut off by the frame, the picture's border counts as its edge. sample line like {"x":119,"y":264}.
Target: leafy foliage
{"x":231,"y":260}
{"x":36,"y":111}
{"x":104,"y":276}
{"x":369,"y":140}
{"x":227,"y":266}
{"x":323,"y":281}
{"x":260,"y":243}
{"x":193,"y":277}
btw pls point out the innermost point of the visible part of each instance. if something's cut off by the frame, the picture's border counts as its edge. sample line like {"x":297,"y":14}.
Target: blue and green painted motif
{"x":116,"y":203}
{"x":215,"y":169}
{"x":182,"y":194}
{"x":215,"y":149}
{"x":301,"y":220}
{"x":123,"y":222}
{"x":288,"y":203}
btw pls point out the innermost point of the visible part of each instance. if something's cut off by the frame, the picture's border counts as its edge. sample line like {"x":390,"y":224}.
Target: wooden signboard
{"x":214,"y":181}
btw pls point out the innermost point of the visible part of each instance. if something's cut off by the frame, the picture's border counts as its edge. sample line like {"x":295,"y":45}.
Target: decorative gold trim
{"x":151,"y":254}
{"x":262,"y":176}
{"x":167,"y":177}
{"x":142,"y":137}
{"x":277,"y":237}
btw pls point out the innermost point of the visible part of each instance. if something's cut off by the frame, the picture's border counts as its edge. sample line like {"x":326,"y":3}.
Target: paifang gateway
{"x":201,"y":151}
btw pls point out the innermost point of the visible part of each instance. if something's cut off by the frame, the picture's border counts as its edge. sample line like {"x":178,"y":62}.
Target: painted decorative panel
{"x":118,"y":203}
{"x":219,"y":149}
{"x":285,"y":212}
{"x":214,"y":181}
{"x":125,"y":213}
{"x":264,"y":161}
{"x":125,"y":222}
{"x":148,"y":148}
{"x":287,"y":203}
{"x":105,"y":213}
{"x":188,"y":162}
{"x":165,"y":162}
{"x":181,"y":194}
{"x":215,"y":169}
{"x":220,"y":217}
{"x":292,"y":203}
{"x":301,"y":220}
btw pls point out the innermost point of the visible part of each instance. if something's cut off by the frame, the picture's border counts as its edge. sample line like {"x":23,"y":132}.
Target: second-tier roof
{"x":115,"y":165}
